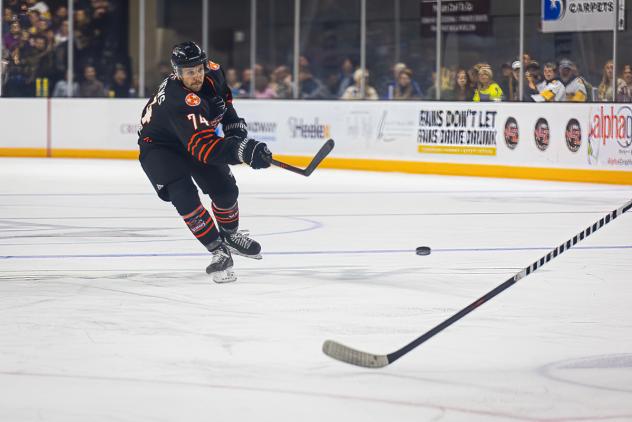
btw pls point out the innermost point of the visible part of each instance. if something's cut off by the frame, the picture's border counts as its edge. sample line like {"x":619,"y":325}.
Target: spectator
{"x":392,"y":84}
{"x":354,"y":91}
{"x":262,"y":88}
{"x":61,"y":16}
{"x":12,"y":38}
{"x":246,"y":76}
{"x":604,"y":91}
{"x":42,"y":58}
{"x":627,"y":77}
{"x":487,"y":90}
{"x":233,"y":81}
{"x":533,"y":78}
{"x":61,"y":87}
{"x":505,"y":79}
{"x":7,"y":19}
{"x":574,"y":85}
{"x":345,"y":77}
{"x":90,"y":86}
{"x":282,"y":82}
{"x":462,"y":90}
{"x":310,"y":87}
{"x":550,"y":89}
{"x":62,"y":33}
{"x":404,"y":89}
{"x":120,"y":86}
{"x":40,"y":6}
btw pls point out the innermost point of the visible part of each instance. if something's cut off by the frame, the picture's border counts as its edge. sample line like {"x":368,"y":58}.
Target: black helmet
{"x":187,"y":54}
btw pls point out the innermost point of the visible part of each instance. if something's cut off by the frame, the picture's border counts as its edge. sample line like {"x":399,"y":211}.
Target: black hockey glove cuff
{"x":238,"y":129}
{"x":217,"y":108}
{"x":255,"y":154}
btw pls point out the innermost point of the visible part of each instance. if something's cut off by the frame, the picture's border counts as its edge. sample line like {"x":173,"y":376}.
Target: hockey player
{"x":179,"y":143}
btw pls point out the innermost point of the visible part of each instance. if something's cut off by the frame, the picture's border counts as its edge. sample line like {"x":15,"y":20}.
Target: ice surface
{"x":106,"y":313}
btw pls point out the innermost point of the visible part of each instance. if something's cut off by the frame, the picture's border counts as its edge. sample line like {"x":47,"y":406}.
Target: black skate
{"x":240,"y":244}
{"x":221,"y":267}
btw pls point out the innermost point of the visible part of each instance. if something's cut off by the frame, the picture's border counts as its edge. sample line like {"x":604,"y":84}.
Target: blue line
{"x":351,"y":252}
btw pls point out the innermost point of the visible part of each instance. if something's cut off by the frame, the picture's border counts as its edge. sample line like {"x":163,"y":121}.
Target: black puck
{"x":422,"y":250}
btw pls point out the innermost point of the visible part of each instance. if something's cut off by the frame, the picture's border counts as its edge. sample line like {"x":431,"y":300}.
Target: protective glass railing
{"x":488,"y":50}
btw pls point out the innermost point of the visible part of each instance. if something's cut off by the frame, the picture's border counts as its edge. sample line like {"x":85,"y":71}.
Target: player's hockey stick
{"x":320,"y":156}
{"x":369,"y":360}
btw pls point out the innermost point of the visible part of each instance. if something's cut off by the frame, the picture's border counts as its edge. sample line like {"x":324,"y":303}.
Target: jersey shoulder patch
{"x":212,"y":65}
{"x":192,"y":99}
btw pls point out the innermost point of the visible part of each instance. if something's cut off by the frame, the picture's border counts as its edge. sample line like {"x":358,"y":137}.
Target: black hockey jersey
{"x":184,"y":120}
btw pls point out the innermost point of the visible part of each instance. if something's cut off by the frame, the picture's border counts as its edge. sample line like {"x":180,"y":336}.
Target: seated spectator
{"x":60,"y":16}
{"x":627,"y":77}
{"x":62,"y":33}
{"x":550,"y":89}
{"x":12,"y":38}
{"x":282,"y":82}
{"x":120,"y":87}
{"x":505,"y":79}
{"x":90,"y":86}
{"x":487,"y":90}
{"x":392,"y":84}
{"x":232,"y":81}
{"x":463,"y":90}
{"x":604,"y":91}
{"x":532,"y":77}
{"x":574,"y":85}
{"x":262,"y":87}
{"x":7,"y":19}
{"x":354,"y":92}
{"x":61,"y":87}
{"x":345,"y":77}
{"x":310,"y":87}
{"x":404,"y":90}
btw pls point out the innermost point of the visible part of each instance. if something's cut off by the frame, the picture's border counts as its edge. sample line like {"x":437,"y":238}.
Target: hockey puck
{"x":422,"y":250}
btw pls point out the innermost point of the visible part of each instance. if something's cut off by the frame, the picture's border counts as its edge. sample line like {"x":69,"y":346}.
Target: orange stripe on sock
{"x":192,"y":213}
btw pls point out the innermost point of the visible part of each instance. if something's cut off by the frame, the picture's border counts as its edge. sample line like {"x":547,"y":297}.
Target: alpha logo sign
{"x":302,"y":129}
{"x":578,"y":15}
{"x":610,"y":136}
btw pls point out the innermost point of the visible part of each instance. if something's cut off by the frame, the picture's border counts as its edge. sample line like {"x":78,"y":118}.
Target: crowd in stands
{"x":553,"y":81}
{"x":35,"y":48}
{"x":35,"y":45}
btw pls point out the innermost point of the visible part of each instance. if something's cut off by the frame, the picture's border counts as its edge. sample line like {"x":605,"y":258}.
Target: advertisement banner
{"x":578,"y":15}
{"x":457,"y":130}
{"x":464,"y":16}
{"x":610,"y":136}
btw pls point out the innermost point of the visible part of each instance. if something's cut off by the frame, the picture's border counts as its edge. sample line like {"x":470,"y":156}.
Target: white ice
{"x":106,"y":313}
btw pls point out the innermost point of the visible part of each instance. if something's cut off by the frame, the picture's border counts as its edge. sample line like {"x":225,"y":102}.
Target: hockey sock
{"x":202,"y":225}
{"x":228,"y":219}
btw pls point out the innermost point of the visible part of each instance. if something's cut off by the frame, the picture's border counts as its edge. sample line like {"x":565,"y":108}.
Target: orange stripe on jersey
{"x":204,"y":140}
{"x":210,"y":149}
{"x":198,"y":134}
{"x":210,"y":81}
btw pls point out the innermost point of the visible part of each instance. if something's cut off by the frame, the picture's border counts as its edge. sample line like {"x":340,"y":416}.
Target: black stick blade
{"x":320,"y":156}
{"x":355,"y":357}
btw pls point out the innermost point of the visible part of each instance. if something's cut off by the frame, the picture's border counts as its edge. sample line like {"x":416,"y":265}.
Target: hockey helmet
{"x":187,"y":54}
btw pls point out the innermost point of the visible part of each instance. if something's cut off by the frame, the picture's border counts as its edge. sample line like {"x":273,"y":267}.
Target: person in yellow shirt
{"x":487,"y":90}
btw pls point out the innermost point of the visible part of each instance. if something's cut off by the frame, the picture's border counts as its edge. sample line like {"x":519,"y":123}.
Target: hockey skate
{"x":221,"y":266}
{"x":240,"y":244}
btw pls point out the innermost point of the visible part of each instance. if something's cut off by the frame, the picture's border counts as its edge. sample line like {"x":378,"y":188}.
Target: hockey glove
{"x":238,"y":129}
{"x":255,"y":154}
{"x":217,"y":108}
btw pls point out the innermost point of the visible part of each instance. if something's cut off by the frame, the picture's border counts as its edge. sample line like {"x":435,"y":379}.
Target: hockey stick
{"x":320,"y":156}
{"x":369,"y":360}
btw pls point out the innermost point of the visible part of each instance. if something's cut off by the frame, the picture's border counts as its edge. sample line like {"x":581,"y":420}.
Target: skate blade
{"x":226,"y":276}
{"x":236,"y":252}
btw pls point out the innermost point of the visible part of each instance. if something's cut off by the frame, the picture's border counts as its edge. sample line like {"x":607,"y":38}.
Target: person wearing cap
{"x":487,"y":90}
{"x":530,"y":80}
{"x":574,"y":85}
{"x":550,"y":89}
